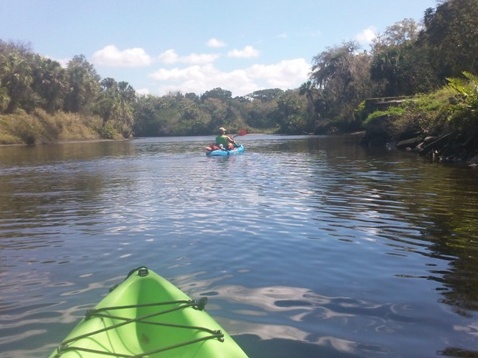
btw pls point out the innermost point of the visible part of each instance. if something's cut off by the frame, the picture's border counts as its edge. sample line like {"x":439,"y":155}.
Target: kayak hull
{"x":226,"y":153}
{"x":146,"y":315}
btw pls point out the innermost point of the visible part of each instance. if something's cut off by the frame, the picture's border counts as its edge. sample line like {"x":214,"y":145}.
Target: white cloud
{"x":287,"y":74}
{"x":246,"y":52}
{"x":111,"y":56}
{"x":199,"y":58}
{"x":171,"y":57}
{"x":366,"y":36}
{"x":195,"y":72}
{"x":215,"y":43}
{"x":282,"y":74}
{"x":142,"y":91}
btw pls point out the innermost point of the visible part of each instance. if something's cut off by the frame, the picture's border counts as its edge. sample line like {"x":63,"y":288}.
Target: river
{"x":305,"y":246}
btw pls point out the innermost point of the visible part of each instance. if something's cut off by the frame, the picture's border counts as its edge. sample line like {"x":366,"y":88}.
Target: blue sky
{"x":193,"y":46}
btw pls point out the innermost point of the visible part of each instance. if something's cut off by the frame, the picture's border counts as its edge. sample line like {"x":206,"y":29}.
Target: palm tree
{"x":308,"y":89}
{"x":50,"y":82}
{"x":84,"y":85}
{"x":16,"y":77}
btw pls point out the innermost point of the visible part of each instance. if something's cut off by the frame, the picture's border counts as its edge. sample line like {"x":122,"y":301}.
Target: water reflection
{"x":306,"y":246}
{"x":301,"y":310}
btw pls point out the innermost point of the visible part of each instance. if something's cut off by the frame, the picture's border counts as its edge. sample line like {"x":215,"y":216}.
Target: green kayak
{"x":147,"y":316}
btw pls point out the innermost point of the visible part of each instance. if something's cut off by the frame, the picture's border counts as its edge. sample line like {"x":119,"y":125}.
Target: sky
{"x":162,"y":46}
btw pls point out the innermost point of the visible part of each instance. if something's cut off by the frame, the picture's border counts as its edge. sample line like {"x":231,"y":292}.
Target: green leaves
{"x":463,"y":109}
{"x":451,"y":37}
{"x":341,"y":76}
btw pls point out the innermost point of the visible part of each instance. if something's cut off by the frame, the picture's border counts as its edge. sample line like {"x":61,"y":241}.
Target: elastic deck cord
{"x":102,"y":313}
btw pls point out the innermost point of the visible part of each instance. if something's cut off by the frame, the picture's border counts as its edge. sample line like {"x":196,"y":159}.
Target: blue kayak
{"x":225,"y":153}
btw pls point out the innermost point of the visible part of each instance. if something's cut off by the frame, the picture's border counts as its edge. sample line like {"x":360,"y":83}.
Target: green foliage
{"x":261,"y":114}
{"x":360,"y":113}
{"x":291,"y":114}
{"x":407,"y":59}
{"x":218,"y":93}
{"x":463,"y":109}
{"x":15,"y":76}
{"x":266,"y":95}
{"x":49,"y":83}
{"x":341,"y":76}
{"x":106,"y":131}
{"x":453,"y":107}
{"x":391,"y":113}
{"x":450,"y":38}
{"x":392,"y":122}
{"x":400,"y":65}
{"x":115,"y":105}
{"x":84,"y":86}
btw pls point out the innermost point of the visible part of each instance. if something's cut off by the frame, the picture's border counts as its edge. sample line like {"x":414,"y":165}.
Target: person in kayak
{"x":223,"y":141}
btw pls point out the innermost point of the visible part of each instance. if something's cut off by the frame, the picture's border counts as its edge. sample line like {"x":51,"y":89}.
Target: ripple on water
{"x":306,"y":246}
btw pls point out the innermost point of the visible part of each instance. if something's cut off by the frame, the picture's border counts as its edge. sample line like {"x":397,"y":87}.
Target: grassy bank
{"x":40,"y":127}
{"x":442,"y":124}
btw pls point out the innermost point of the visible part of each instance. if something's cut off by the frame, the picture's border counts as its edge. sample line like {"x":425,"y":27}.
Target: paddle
{"x":242,"y":132}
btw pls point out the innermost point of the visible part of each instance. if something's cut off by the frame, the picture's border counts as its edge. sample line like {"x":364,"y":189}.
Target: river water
{"x":305,"y":246}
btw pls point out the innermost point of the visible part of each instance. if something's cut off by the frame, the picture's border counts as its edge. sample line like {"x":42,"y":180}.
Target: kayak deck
{"x":147,"y":316}
{"x":224,"y":153}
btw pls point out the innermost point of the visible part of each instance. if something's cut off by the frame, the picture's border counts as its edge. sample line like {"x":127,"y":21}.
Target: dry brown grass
{"x":40,"y":127}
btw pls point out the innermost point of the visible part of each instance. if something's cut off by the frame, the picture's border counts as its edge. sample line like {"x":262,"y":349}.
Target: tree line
{"x":408,"y":58}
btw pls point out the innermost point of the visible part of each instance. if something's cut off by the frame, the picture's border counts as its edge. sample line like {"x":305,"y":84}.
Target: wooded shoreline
{"x":421,"y":77}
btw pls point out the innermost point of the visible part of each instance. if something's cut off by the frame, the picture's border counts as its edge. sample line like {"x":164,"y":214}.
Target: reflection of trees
{"x":23,"y":212}
{"x":448,"y":201}
{"x":46,"y":193}
{"x":438,"y":204}
{"x":52,"y":154}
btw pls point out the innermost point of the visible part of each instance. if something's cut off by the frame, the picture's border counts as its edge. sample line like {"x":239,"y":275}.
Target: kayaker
{"x":224,"y":141}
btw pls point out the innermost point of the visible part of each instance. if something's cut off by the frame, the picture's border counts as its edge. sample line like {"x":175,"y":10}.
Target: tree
{"x":266,"y":95}
{"x":127,"y":96}
{"x":115,"y":105}
{"x":342,"y":79}
{"x":15,"y":76}
{"x":218,"y":111}
{"x":84,"y":86}
{"x":145,"y":109}
{"x":308,"y":90}
{"x":400,"y":33}
{"x":108,"y":100}
{"x":218,"y":93}
{"x":451,"y":38}
{"x":291,"y":113}
{"x":399,"y":66}
{"x":193,"y":97}
{"x":50,"y":83}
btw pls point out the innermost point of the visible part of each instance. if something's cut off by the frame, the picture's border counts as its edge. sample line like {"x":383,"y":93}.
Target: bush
{"x":106,"y":132}
{"x":382,"y":122}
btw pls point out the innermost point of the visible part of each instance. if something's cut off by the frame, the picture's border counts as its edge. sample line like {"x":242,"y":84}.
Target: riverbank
{"x":453,"y":147}
{"x":442,"y":126}
{"x":39,"y":127}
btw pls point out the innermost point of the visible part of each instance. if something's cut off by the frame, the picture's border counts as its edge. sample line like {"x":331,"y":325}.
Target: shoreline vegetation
{"x":39,"y":127}
{"x":415,"y":90}
{"x":441,"y":125}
